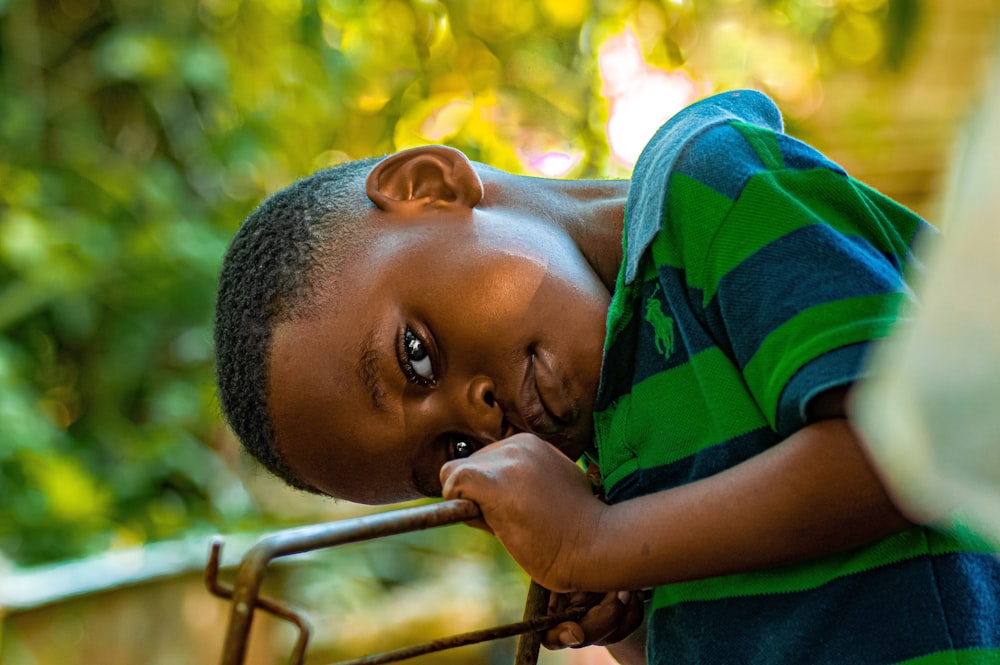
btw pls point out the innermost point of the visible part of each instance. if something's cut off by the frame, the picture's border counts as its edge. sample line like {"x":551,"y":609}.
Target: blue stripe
{"x":797,"y":155}
{"x":792,"y":274}
{"x":836,"y":368}
{"x":623,"y":368}
{"x":616,"y":368}
{"x":690,"y":337}
{"x":647,"y":195}
{"x":900,"y":611}
{"x":721,"y":159}
{"x":706,"y":462}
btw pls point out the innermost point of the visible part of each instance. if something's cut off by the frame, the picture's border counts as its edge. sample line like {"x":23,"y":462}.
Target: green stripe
{"x":812,"y":333}
{"x":664,"y":420}
{"x":674,"y":421}
{"x":616,"y":460}
{"x":960,"y":657}
{"x":764,"y":142}
{"x":771,"y":205}
{"x":684,"y":245}
{"x":811,"y":574}
{"x":764,"y":214}
{"x":619,"y":312}
{"x":895,"y":215}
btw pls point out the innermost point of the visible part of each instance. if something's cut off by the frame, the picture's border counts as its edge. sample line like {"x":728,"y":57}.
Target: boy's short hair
{"x":275,"y":270}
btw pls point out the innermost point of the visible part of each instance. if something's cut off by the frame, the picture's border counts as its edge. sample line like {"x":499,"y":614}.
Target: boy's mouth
{"x":539,"y":404}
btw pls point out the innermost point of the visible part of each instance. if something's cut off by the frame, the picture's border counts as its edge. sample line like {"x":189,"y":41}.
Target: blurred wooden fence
{"x":898,"y":133}
{"x":150,"y":606}
{"x":145,"y":605}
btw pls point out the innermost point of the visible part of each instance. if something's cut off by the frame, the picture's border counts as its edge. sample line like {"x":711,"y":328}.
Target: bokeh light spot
{"x":641,"y":97}
{"x":857,"y":40}
{"x":554,"y":164}
{"x":445,"y":121}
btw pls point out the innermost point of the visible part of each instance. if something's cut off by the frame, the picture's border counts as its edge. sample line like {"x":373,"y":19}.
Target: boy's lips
{"x":541,"y":409}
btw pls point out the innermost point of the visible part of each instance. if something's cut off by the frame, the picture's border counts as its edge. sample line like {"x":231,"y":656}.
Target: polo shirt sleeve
{"x":797,"y":265}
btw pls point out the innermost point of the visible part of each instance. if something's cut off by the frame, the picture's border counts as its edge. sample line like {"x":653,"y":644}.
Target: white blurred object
{"x":930,"y":412}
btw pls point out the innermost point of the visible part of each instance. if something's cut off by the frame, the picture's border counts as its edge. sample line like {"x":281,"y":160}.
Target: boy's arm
{"x":811,"y":495}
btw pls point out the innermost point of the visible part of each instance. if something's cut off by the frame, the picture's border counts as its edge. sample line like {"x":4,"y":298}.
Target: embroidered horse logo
{"x":663,"y":325}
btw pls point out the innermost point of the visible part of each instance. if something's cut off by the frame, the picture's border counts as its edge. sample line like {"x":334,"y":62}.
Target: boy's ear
{"x":433,"y":176}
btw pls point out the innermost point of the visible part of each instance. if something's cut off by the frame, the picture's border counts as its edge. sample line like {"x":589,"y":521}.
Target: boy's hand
{"x":611,"y":618}
{"x":536,"y":501}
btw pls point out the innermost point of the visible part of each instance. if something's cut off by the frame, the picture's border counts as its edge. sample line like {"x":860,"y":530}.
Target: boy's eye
{"x":416,"y":362}
{"x":460,"y":448}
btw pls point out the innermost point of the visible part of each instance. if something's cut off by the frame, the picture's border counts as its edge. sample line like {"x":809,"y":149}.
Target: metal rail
{"x":245,"y":592}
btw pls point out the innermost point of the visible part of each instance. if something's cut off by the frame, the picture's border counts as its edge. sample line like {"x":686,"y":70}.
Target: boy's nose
{"x":483,"y":415}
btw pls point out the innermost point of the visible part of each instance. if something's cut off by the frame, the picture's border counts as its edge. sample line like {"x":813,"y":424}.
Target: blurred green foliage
{"x":136,"y":135}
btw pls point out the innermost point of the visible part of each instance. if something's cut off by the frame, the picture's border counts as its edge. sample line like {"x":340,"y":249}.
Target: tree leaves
{"x":135,"y":136}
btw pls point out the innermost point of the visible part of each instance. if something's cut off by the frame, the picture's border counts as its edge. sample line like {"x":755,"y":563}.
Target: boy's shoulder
{"x":687,"y":137}
{"x":719,"y":144}
{"x":725,"y":156}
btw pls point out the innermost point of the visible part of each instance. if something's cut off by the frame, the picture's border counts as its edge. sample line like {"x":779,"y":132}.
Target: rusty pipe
{"x":318,"y":536}
{"x":244,"y":594}
{"x":536,"y":625}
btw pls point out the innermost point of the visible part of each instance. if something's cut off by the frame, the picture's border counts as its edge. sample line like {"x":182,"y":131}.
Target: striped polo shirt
{"x":756,"y":272}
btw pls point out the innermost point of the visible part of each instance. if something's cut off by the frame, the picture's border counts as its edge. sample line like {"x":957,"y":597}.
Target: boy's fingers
{"x":557,"y":602}
{"x":560,"y":602}
{"x":603,"y":619}
{"x":460,"y":475}
{"x":455,"y":477}
{"x":479,"y":523}
{"x":630,"y":617}
{"x":566,"y":634}
{"x":447,"y":477}
{"x":451,"y":488}
{"x":611,"y":618}
{"x":482,"y":464}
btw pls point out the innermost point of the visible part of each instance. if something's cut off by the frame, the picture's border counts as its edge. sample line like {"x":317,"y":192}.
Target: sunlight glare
{"x":554,"y":164}
{"x":641,"y":97}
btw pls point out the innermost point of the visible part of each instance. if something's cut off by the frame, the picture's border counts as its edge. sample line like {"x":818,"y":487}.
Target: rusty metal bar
{"x":270,"y":606}
{"x":245,"y":597}
{"x":245,"y":592}
{"x":534,"y":626}
{"x":536,"y":605}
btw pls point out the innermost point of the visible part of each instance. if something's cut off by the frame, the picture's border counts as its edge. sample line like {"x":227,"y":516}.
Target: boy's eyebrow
{"x":367,"y":368}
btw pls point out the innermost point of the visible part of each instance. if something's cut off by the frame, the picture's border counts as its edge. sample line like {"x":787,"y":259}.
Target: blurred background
{"x":134,"y":138}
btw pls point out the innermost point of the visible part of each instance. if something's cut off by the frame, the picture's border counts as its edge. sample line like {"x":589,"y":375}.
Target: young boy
{"x":424,"y":325}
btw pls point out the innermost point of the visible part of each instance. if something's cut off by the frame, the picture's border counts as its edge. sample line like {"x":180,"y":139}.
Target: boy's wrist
{"x":594,"y":564}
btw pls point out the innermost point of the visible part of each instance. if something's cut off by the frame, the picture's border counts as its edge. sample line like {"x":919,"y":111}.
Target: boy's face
{"x":444,"y":331}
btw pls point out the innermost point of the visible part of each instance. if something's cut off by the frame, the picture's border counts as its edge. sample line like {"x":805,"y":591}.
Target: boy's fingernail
{"x":624,"y":597}
{"x":569,"y":638}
